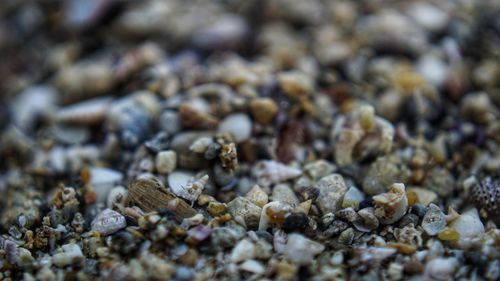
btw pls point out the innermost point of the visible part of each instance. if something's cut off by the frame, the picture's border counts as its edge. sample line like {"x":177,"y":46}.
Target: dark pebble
{"x":418,"y":210}
{"x":407,"y":219}
{"x":368,"y":202}
{"x":326,"y":220}
{"x":336,"y":228}
{"x":265,"y":235}
{"x":296,"y":222}
{"x":123,"y":242}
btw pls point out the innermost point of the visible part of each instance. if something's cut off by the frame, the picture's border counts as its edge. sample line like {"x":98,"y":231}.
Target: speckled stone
{"x":243,"y":208}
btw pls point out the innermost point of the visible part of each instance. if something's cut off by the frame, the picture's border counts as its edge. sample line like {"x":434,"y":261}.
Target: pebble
{"x":440,"y":269}
{"x":434,"y":220}
{"x":469,"y":226}
{"x":244,"y":250}
{"x":103,"y":180}
{"x":225,"y":237}
{"x":117,"y":195}
{"x":335,"y":228}
{"x":166,"y":161}
{"x":429,"y":16}
{"x":424,"y":196}
{"x":263,"y":110}
{"x":307,"y":248}
{"x":368,"y":221}
{"x":284,"y":193}
{"x":352,"y":198}
{"x":32,"y":103}
{"x":295,"y":84}
{"x":382,"y":173}
{"x":179,"y":179}
{"x":391,"y":206}
{"x":407,"y":219}
{"x":108,"y":222}
{"x":238,"y":124}
{"x":418,"y":210}
{"x":263,"y":249}
{"x":71,"y":254}
{"x":244,"y":209}
{"x":295,"y":222}
{"x":252,"y":266}
{"x":257,"y":196}
{"x":269,"y":172}
{"x":332,"y":189}
{"x":170,"y":122}
{"x":440,"y":181}
{"x":318,"y":169}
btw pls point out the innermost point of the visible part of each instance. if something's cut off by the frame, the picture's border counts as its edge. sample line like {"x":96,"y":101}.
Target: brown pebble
{"x":263,"y":110}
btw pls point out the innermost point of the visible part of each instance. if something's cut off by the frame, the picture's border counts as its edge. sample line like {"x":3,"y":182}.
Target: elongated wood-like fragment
{"x":151,"y":195}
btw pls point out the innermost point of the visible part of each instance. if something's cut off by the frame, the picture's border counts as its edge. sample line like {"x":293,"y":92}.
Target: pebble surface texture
{"x":250,"y":140}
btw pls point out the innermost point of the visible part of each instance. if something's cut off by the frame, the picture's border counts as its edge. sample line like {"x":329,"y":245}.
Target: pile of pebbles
{"x":250,"y":140}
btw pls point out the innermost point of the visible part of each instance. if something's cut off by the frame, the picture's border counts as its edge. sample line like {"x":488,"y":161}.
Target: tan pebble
{"x":204,"y":199}
{"x":366,"y":117}
{"x":403,"y":248}
{"x":303,"y":207}
{"x":216,"y":209}
{"x":263,"y":110}
{"x":423,"y":196}
{"x":257,"y":196}
{"x":295,"y":84}
{"x":449,"y":234}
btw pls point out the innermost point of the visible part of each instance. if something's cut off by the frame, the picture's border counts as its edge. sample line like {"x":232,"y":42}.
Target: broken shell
{"x":270,"y":172}
{"x":84,"y":113}
{"x":486,"y":194}
{"x":201,"y":145}
{"x":151,"y":195}
{"x":191,"y":117}
{"x":116,"y":196}
{"x":391,"y":206}
{"x":434,"y":220}
{"x":353,"y":142}
{"x":192,"y":190}
{"x":274,"y":213}
{"x":108,"y":222}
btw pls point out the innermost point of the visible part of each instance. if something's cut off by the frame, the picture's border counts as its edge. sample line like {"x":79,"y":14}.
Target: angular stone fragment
{"x":242,"y":208}
{"x":332,"y":189}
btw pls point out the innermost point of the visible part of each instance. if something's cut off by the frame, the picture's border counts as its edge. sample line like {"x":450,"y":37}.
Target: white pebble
{"x":252,"y":266}
{"x":108,"y":222}
{"x":239,"y":125}
{"x":302,"y":250}
{"x":244,"y":250}
{"x":166,"y":161}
